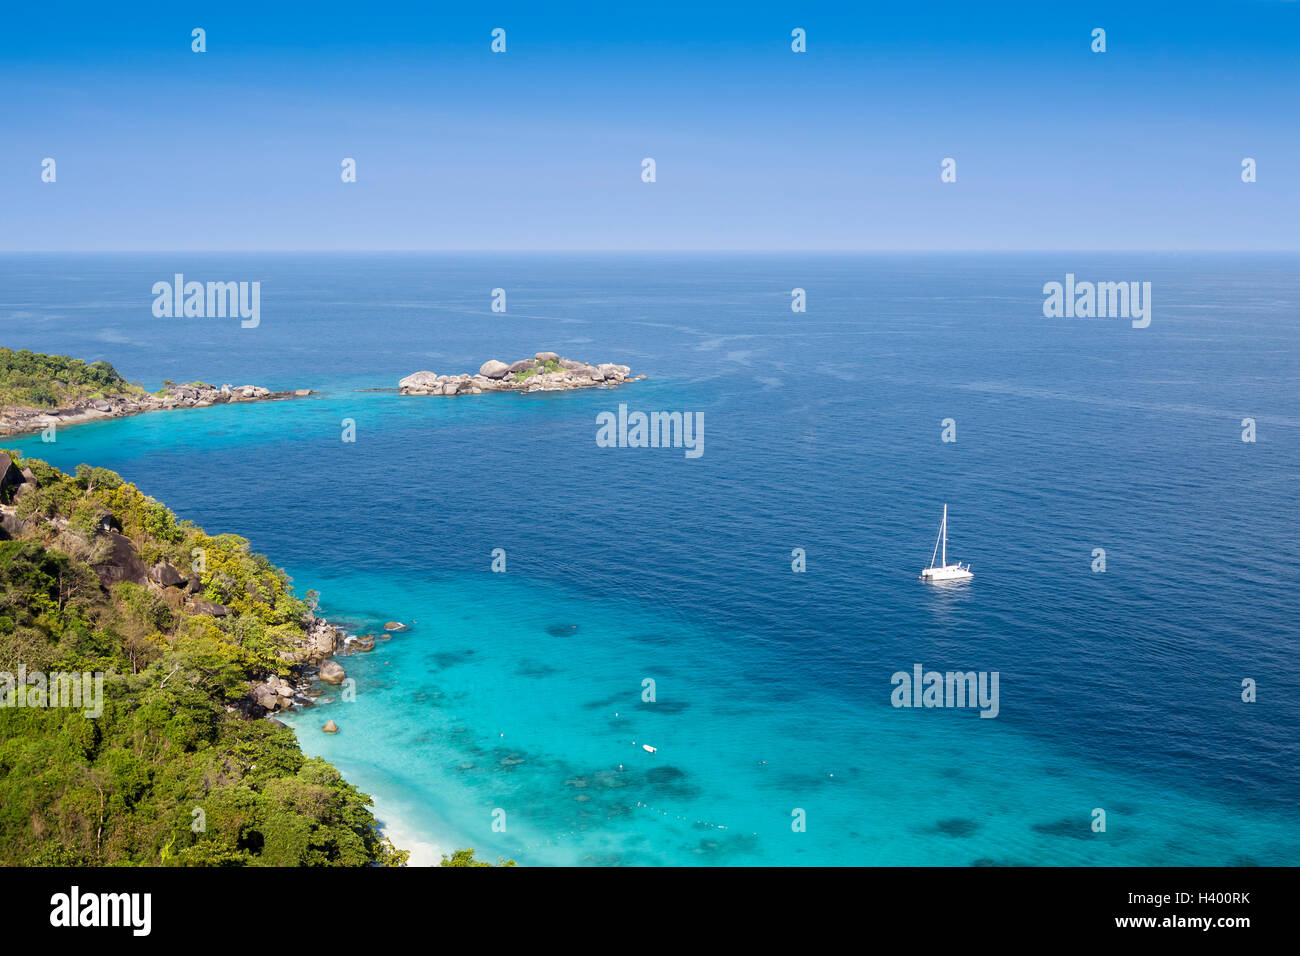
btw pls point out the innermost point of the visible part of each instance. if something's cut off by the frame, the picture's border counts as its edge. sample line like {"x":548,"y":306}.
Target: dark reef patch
{"x":532,"y":668}
{"x":445,"y":659}
{"x":1078,"y":829}
{"x":669,"y":781}
{"x":957,"y":827}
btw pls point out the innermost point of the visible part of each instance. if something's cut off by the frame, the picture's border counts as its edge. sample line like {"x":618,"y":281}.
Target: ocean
{"x":512,"y":717}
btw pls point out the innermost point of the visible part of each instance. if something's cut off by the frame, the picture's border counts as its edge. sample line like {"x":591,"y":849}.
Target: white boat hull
{"x":953,"y":572}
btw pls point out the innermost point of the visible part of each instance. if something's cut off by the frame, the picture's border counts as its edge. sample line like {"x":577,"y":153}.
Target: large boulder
{"x":11,"y":525}
{"x":419,"y":380}
{"x":493,"y":369}
{"x":210,"y":608}
{"x":523,"y":365}
{"x":323,"y":638}
{"x":546,"y":357}
{"x":332,"y":673}
{"x":10,"y":476}
{"x":122,"y":563}
{"x":164,"y":574}
{"x":265,"y":697}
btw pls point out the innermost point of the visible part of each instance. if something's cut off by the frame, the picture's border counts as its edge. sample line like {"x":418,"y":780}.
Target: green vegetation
{"x":548,"y":366}
{"x":466,"y":858}
{"x":44,"y":381}
{"x":170,"y":773}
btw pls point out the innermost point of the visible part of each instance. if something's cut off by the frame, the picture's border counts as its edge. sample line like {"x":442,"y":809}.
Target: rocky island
{"x":38,"y":390}
{"x":544,"y":372}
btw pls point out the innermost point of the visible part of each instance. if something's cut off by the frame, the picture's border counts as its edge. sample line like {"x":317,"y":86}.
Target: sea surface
{"x":511,"y":718}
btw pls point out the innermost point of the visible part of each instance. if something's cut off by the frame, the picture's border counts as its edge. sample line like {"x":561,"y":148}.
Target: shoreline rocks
{"x":544,"y":372}
{"x":331,"y":672}
{"x":309,"y":661}
{"x":19,"y":419}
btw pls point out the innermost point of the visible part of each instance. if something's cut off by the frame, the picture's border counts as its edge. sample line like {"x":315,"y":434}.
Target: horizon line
{"x":650,"y":250}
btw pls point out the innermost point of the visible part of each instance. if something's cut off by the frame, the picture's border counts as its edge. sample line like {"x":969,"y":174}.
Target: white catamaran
{"x":945,"y":571}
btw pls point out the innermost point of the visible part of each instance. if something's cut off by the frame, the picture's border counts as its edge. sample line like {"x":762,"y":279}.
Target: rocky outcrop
{"x":209,"y":607}
{"x":332,"y":673}
{"x":323,"y":640}
{"x":122,"y":563}
{"x":544,"y":372}
{"x":309,"y":660}
{"x":273,"y":694}
{"x":10,"y":476}
{"x":165,"y":575}
{"x":18,"y":418}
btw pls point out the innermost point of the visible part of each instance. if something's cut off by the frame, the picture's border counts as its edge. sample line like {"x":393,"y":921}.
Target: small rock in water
{"x":330,"y":727}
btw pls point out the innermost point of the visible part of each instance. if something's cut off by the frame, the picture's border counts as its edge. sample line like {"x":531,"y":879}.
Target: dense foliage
{"x":169,"y":773}
{"x":466,"y":858}
{"x":43,"y":381}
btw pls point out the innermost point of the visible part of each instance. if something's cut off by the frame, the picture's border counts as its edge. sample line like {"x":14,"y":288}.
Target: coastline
{"x":322,"y":641}
{"x":19,"y":420}
{"x":405,"y":837}
{"x":232,"y":628}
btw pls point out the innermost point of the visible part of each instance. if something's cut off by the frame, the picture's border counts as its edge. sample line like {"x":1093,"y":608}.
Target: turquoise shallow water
{"x":522,"y":691}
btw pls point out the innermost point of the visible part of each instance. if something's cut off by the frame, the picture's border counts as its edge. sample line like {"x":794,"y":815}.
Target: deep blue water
{"x":1118,"y":690}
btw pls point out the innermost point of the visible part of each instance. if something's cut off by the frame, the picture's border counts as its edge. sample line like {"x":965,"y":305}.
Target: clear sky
{"x":757,"y":147}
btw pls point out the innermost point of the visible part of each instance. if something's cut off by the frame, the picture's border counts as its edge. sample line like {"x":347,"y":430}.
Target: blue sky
{"x":756,"y":147}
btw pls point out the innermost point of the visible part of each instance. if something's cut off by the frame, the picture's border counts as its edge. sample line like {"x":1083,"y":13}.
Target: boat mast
{"x":936,"y":543}
{"x":943,"y":533}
